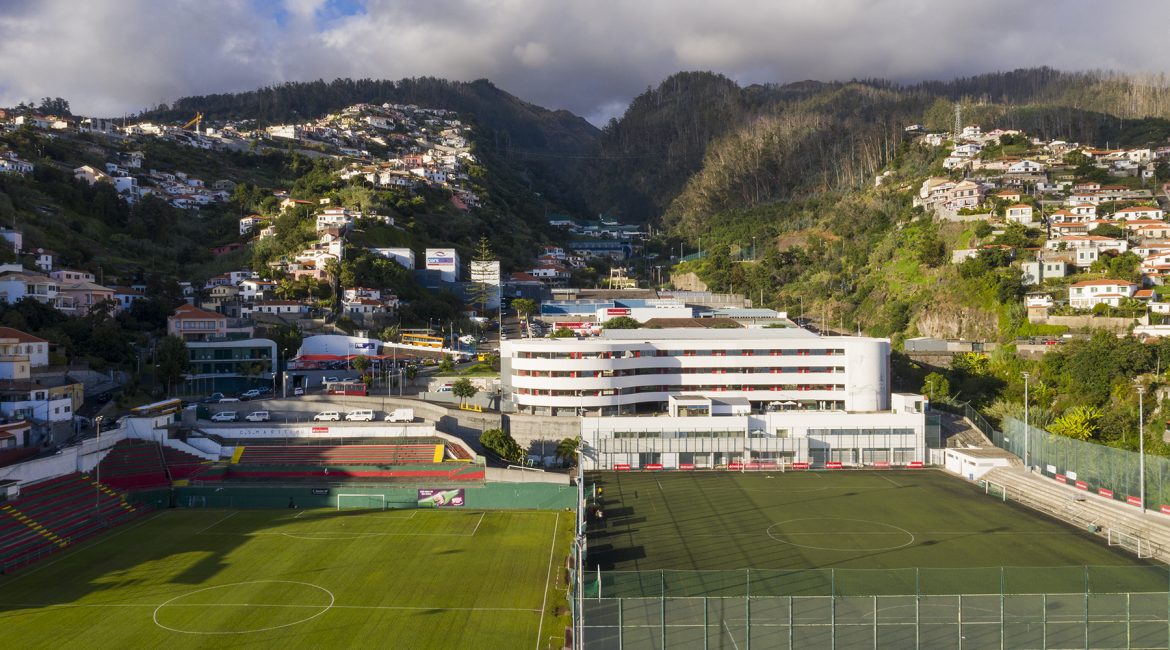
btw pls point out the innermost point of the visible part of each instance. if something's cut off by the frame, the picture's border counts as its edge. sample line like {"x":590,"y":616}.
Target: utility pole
{"x":1027,"y":427}
{"x":1141,"y":391}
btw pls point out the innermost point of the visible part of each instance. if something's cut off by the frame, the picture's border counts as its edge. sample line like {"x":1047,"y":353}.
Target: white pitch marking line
{"x":896,"y":484}
{"x":218,"y":521}
{"x":730,"y":635}
{"x":478,"y":523}
{"x":551,"y":549}
{"x":300,"y":514}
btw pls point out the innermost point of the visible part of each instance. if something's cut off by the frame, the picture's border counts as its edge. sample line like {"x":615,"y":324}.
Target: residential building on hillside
{"x":1090,"y":293}
{"x":194,"y":324}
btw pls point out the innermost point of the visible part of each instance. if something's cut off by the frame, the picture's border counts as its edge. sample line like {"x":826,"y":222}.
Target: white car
{"x":225,"y":416}
{"x":258,"y":416}
{"x":250,"y":394}
{"x":360,"y":415}
{"x":327,"y":416}
{"x":298,"y":391}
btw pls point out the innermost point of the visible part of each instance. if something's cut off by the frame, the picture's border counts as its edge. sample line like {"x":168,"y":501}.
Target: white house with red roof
{"x":194,"y":324}
{"x":1139,"y":212}
{"x":1090,"y":293}
{"x":14,"y":342}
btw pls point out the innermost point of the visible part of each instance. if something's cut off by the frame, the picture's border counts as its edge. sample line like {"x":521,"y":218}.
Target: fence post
{"x":917,"y":608}
{"x":706,"y":632}
{"x":662,"y":604}
{"x":1086,"y":601}
{"x":1001,"y":607}
{"x":747,"y":609}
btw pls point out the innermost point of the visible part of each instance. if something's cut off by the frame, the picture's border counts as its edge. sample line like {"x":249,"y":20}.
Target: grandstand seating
{"x":392,"y":454}
{"x":138,"y":464}
{"x":132,"y":464}
{"x":54,"y":514}
{"x":1082,"y":508}
{"x":459,"y":453}
{"x":180,"y":464}
{"x":421,"y":473}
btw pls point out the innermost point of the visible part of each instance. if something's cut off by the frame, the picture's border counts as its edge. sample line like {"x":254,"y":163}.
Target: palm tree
{"x":567,"y":449}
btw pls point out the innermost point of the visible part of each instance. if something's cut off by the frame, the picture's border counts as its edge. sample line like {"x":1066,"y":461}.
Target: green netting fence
{"x":989,"y":607}
{"x":1098,"y":467}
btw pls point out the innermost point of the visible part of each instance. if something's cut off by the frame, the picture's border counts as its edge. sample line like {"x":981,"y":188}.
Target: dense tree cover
{"x":502,"y":443}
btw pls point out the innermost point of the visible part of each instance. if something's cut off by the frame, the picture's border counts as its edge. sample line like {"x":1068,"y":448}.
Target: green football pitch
{"x":851,"y":532}
{"x":301,"y":579}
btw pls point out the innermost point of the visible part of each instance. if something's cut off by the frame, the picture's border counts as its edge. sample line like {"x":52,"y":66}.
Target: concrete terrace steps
{"x":56,"y":513}
{"x":338,"y":454}
{"x":1084,"y":508}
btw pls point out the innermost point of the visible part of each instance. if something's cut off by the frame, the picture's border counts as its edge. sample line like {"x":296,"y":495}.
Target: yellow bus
{"x":422,"y":340}
{"x":165,"y":407}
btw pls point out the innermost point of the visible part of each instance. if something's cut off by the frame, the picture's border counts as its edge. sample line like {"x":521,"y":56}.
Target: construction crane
{"x":197,"y":120}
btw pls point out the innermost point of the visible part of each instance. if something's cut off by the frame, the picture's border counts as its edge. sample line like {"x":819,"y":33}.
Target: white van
{"x":258,"y":416}
{"x":327,"y":416}
{"x":360,"y":415}
{"x":225,"y":416}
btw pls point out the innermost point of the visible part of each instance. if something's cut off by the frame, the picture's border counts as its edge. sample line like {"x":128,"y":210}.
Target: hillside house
{"x":1020,"y":213}
{"x":1090,"y":293}
{"x":1139,"y":212}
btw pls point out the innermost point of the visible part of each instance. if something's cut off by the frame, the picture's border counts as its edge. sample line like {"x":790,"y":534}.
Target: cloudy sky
{"x":112,"y":57}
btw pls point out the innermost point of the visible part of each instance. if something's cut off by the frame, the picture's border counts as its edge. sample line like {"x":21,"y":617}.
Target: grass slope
{"x":300,"y":579}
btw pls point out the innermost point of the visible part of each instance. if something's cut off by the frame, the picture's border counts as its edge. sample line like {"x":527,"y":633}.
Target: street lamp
{"x":97,"y":504}
{"x":1027,"y":427}
{"x":1141,"y":391}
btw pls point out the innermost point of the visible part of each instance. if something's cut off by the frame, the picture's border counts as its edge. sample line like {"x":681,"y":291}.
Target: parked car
{"x":328,"y":416}
{"x":213,"y":398}
{"x":223,"y":400}
{"x":250,"y":394}
{"x":330,"y":380}
{"x":258,"y":416}
{"x":360,"y":415}
{"x":225,"y":416}
{"x":298,"y":391}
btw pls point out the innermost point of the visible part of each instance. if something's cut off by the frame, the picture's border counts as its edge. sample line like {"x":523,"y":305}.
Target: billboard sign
{"x":440,"y":498}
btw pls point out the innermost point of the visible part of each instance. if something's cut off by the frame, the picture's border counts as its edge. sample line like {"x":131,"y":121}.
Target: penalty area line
{"x":218,"y":521}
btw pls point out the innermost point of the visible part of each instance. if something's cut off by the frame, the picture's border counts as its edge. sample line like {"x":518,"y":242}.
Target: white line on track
{"x":219,"y":521}
{"x":551,"y":549}
{"x":480,"y":522}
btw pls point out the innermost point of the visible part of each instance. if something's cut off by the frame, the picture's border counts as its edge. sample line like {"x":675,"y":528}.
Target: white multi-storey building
{"x":627,"y":371}
{"x":719,"y":397}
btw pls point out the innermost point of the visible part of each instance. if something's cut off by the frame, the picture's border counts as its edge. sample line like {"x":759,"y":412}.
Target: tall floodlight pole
{"x":1141,"y":391}
{"x":1027,"y":428}
{"x":97,"y":503}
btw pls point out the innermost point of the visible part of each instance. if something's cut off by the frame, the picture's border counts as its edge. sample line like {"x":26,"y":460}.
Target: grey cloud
{"x":116,"y":56}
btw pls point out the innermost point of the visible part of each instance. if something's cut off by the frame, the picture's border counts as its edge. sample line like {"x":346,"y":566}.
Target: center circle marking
{"x":890,"y":530}
{"x":171,"y":602}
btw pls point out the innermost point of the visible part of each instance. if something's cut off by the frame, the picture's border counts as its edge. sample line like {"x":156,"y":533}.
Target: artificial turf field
{"x":300,"y":579}
{"x":933,"y":533}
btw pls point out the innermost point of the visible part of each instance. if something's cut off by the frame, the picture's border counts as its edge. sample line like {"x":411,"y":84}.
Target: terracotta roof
{"x":190,"y":311}
{"x":1101,"y":283}
{"x":23,"y":337}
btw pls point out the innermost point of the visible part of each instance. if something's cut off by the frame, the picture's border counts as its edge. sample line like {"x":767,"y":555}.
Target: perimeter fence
{"x":985,"y":607}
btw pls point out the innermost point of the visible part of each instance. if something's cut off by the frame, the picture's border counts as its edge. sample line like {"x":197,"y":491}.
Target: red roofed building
{"x":1090,"y":293}
{"x":194,"y":324}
